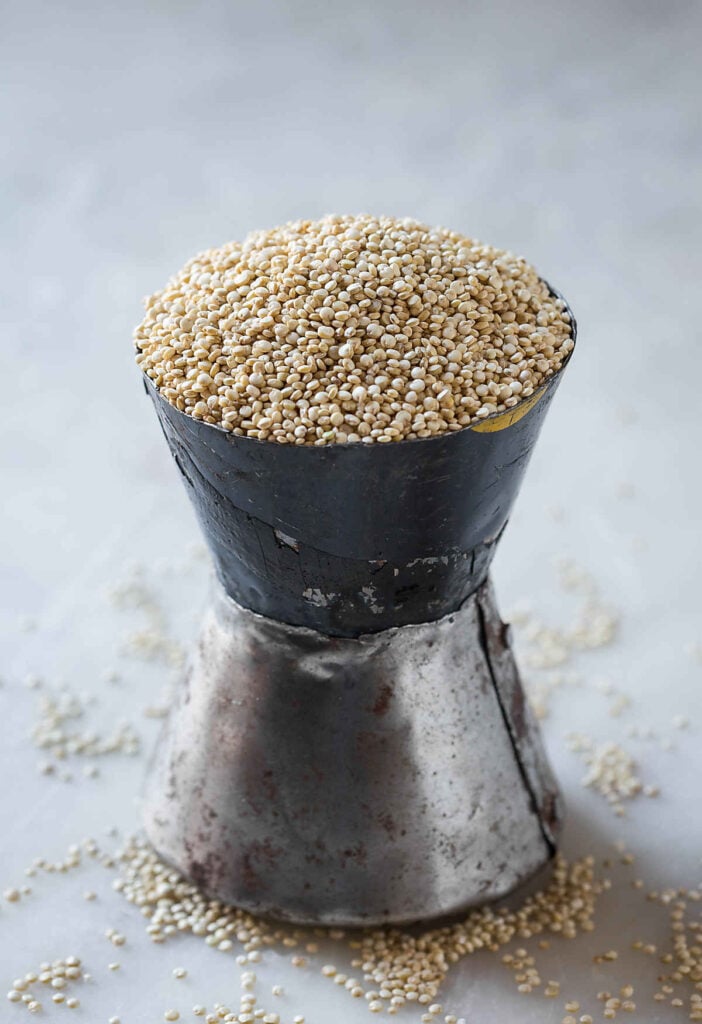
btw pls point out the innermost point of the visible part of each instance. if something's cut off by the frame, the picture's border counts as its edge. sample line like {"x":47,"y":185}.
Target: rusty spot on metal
{"x":268,"y":785}
{"x":382,"y":701}
{"x":518,"y":718}
{"x":248,"y":875}
{"x":550,"y":808}
{"x":388,"y":823}
{"x":357,"y":853}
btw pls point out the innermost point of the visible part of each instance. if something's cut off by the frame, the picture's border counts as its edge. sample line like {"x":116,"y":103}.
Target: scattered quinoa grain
{"x":397,"y":967}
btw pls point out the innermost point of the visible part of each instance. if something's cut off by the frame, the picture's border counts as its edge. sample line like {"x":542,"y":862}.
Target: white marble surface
{"x":134,"y":134}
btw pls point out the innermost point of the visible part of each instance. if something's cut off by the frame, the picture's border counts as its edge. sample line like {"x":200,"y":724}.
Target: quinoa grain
{"x":351,"y":329}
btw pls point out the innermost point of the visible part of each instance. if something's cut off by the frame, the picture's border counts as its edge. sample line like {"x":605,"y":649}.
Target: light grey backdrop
{"x":134,"y":134}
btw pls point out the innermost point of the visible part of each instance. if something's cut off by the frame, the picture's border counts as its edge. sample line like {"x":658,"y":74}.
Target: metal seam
{"x":534,"y":803}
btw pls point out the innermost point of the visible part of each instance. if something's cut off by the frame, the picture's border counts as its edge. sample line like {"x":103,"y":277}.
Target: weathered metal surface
{"x":354,"y":781}
{"x":354,"y":538}
{"x":518,"y":716}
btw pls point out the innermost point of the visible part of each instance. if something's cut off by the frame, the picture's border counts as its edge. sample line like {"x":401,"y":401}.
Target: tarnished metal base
{"x":318,"y":779}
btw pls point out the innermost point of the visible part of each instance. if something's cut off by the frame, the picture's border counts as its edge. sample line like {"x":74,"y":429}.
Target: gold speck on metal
{"x":510,"y":416}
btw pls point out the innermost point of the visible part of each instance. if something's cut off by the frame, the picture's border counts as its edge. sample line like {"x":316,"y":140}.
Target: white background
{"x":136,"y":134}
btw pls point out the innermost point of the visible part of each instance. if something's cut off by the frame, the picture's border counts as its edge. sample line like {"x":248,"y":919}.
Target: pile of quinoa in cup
{"x":351,"y":329}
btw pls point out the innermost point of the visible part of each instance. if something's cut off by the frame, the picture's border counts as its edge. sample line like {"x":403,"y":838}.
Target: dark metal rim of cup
{"x":548,"y":383}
